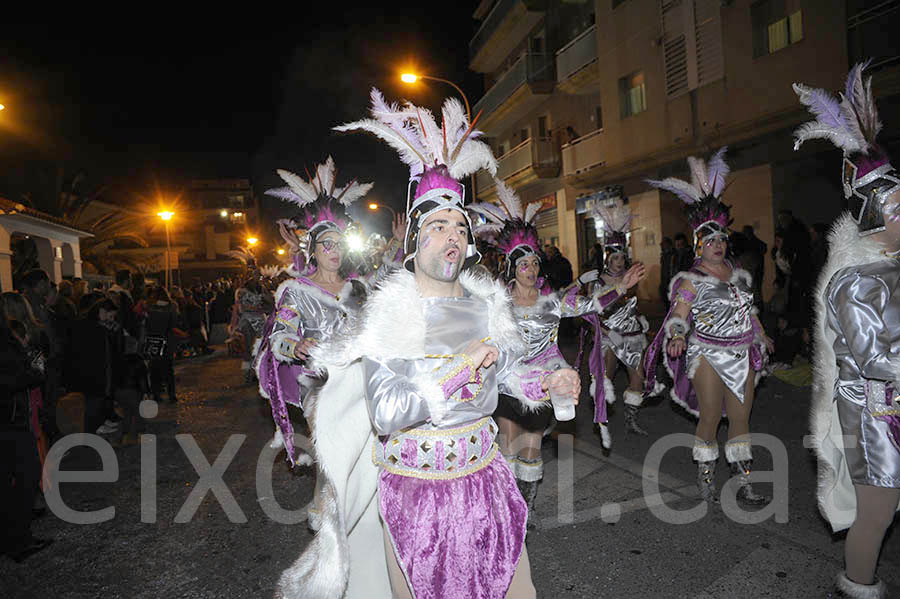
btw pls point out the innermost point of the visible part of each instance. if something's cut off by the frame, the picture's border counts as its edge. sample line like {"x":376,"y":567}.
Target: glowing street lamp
{"x":281,"y":251}
{"x":374,"y":206}
{"x":2,"y":106}
{"x":166,"y":216}
{"x":252,"y":241}
{"x":412,"y":78}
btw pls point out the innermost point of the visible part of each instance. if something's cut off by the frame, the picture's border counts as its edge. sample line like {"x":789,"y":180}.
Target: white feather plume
{"x":531,"y":211}
{"x":616,"y":216}
{"x":684,"y":190}
{"x":699,"y":176}
{"x":301,"y":192}
{"x":352,"y":192}
{"x":325,"y":174}
{"x":421,"y":142}
{"x":509,"y":200}
{"x":305,"y":192}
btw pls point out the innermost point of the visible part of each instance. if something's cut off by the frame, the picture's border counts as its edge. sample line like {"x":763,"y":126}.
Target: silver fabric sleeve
{"x":859,"y":303}
{"x":287,"y":329}
{"x":395,"y":401}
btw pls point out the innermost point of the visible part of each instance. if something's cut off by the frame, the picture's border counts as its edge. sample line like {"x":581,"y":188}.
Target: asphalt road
{"x":600,"y":531}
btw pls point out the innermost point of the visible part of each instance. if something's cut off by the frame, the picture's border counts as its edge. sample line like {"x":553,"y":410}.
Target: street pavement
{"x":598,"y":532}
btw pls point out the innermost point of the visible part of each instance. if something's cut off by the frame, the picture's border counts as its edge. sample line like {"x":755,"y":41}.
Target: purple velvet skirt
{"x":456,"y":538}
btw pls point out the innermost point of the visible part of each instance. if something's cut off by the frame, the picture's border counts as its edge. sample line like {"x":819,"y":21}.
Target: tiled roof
{"x":10,"y":207}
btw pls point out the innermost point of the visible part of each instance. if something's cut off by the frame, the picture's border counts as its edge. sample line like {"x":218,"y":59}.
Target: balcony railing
{"x":531,"y":153}
{"x":577,"y":54}
{"x":490,"y":24}
{"x":583,"y":153}
{"x":530,"y":67}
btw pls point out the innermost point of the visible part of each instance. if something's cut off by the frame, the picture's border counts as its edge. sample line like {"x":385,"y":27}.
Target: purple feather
{"x":826,"y":108}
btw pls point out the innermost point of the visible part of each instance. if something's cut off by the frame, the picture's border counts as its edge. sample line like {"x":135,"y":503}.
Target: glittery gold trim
{"x":447,"y":432}
{"x":437,"y":474}
{"x":287,"y":323}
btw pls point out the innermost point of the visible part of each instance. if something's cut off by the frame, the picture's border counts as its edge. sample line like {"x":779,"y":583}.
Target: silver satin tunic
{"x":863,"y":309}
{"x":539,"y":325}
{"x":624,"y":329}
{"x":722,"y":310}
{"x":307,"y":311}
{"x":451,"y":324}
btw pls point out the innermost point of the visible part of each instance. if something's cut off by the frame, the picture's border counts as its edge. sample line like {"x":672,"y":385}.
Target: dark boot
{"x":739,"y":456}
{"x":529,"y":492}
{"x":631,"y":424}
{"x":745,"y":493}
{"x":706,"y":454}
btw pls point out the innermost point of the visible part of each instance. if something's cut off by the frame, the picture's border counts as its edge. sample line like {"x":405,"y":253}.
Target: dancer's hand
{"x":633,"y":275}
{"x":676,"y":347}
{"x":301,"y":350}
{"x":399,"y":227}
{"x":770,"y":345}
{"x":482,"y":354}
{"x":564,"y":381}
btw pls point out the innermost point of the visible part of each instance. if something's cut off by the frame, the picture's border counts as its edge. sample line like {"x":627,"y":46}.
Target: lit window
{"x":633,"y":94}
{"x":773,"y":28}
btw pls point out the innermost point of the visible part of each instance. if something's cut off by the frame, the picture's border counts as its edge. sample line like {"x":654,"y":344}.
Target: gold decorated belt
{"x":439,"y":454}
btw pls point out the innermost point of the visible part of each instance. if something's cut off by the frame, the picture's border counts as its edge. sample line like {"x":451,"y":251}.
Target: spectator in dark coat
{"x":20,"y":467}
{"x":668,"y":268}
{"x":558,"y":270}
{"x":120,"y":293}
{"x":684,"y":252}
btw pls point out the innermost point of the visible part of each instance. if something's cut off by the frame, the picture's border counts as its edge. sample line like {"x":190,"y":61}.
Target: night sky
{"x":151,"y":104}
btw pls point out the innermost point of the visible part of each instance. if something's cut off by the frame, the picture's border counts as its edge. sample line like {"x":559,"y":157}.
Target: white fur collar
{"x":538,"y":307}
{"x":737,"y":274}
{"x":392,"y":322}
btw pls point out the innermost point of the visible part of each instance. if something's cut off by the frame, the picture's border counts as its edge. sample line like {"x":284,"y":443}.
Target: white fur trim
{"x":392,"y":322}
{"x":836,"y":495}
{"x":633,"y":398}
{"x":854,"y":590}
{"x":645,"y":325}
{"x":304,"y":459}
{"x":609,"y":390}
{"x":705,"y":452}
{"x":529,"y":471}
{"x":431,"y":392}
{"x":277,"y":441}
{"x":738,"y":451}
{"x":256,"y":345}
{"x":605,"y":437}
{"x":658,"y":388}
{"x":737,"y":274}
{"x":593,"y":387}
{"x":672,"y":321}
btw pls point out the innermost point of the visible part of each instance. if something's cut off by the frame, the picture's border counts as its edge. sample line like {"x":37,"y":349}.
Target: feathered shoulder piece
{"x":702,"y":193}
{"x":850,"y":122}
{"x":508,"y":225}
{"x":421,"y":143}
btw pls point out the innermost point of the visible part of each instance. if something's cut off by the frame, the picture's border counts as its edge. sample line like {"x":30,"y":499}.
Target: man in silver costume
{"x":714,"y":345}
{"x":417,"y":499}
{"x":538,"y":311}
{"x":855,"y":417}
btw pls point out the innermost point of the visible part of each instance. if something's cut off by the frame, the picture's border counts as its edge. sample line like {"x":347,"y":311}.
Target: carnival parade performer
{"x":405,"y":441}
{"x":538,"y":311}
{"x":622,"y":332}
{"x":714,"y":345}
{"x":251,"y":305}
{"x":855,"y":418}
{"x":313,"y":304}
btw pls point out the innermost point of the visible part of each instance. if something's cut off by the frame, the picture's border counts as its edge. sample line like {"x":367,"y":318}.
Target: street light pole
{"x":374,"y":206}
{"x":166,"y":216}
{"x":411,"y":78}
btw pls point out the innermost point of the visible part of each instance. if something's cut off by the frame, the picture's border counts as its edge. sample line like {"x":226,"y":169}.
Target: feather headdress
{"x":852,"y":124}
{"x":437,"y":156}
{"x":508,"y":226}
{"x":323,"y":207}
{"x":421,"y":143}
{"x":616,"y":218}
{"x":244,"y":255}
{"x":271,"y":271}
{"x":706,"y":214}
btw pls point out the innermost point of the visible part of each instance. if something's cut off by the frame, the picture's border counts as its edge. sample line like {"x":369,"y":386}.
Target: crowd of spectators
{"x":112,"y":346}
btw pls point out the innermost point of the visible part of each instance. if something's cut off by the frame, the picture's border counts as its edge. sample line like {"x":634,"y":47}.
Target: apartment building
{"x":585,"y":100}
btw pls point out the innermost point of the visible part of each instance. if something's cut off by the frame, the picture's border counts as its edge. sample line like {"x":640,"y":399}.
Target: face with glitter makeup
{"x":443,"y":240}
{"x":713,"y":249}
{"x":890,"y":238}
{"x":527,"y":268}
{"x":329,"y":252}
{"x":615,"y":263}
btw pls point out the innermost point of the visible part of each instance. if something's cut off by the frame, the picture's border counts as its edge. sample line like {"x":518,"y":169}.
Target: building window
{"x":599,"y":116}
{"x":543,"y":127}
{"x":524,"y":134}
{"x":773,"y":28}
{"x":633,"y":94}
